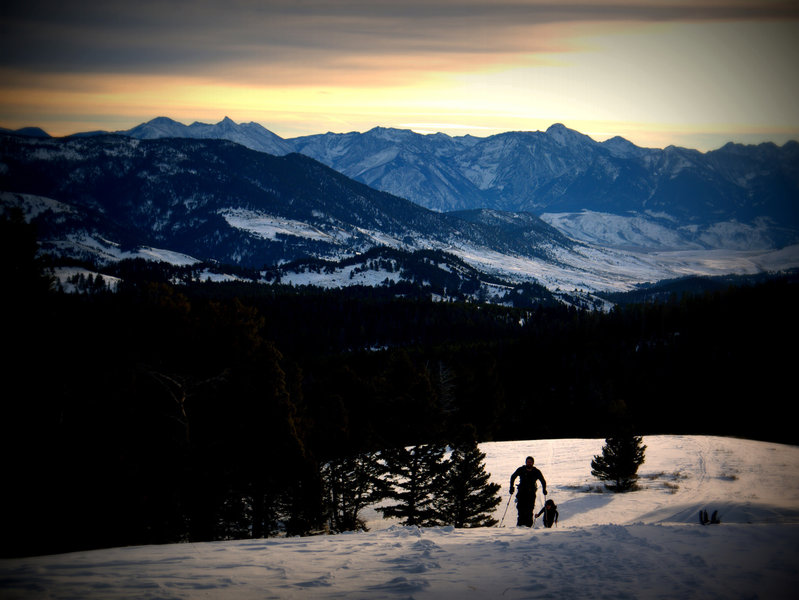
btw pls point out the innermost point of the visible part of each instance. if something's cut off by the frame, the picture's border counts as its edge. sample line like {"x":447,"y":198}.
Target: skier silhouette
{"x":550,"y":512}
{"x":525,"y":498}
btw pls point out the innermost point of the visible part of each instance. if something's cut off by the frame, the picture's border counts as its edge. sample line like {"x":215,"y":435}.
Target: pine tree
{"x":467,"y":498}
{"x":351,"y":484}
{"x":21,"y":268}
{"x":622,"y":454}
{"x":415,"y":476}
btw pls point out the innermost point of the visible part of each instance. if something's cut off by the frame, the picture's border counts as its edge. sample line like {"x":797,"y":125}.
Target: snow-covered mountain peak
{"x":564,"y":136}
{"x":227,"y":123}
{"x":162,"y":121}
{"x":439,"y":137}
{"x":623,"y":148}
{"x":251,"y":135}
{"x":391,"y":134}
{"x":157,"y":128}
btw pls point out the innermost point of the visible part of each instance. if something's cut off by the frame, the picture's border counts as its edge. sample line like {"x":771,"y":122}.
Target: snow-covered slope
{"x":645,"y":544}
{"x":648,"y":231}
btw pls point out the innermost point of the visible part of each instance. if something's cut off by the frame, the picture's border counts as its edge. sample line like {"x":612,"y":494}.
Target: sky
{"x":693,"y":73}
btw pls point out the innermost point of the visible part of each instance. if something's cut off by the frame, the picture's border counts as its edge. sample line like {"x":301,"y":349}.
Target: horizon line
{"x":425,"y":129}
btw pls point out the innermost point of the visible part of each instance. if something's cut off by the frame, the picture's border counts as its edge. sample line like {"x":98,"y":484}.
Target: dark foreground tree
{"x":22,"y":270}
{"x":351,"y":484}
{"x":622,"y":454}
{"x":467,"y":498}
{"x":415,"y":476}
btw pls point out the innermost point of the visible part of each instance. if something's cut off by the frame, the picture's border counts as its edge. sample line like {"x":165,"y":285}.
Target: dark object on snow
{"x":714,"y":520}
{"x":525,"y":497}
{"x":618,"y":465}
{"x":550,"y":511}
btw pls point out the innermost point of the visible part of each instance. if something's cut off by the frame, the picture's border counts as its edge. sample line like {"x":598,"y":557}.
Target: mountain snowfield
{"x":644,"y":544}
{"x":594,"y":268}
{"x":586,"y":267}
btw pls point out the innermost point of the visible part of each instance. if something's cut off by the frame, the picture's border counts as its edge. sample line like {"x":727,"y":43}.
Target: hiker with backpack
{"x":527,"y":474}
{"x":550,"y":512}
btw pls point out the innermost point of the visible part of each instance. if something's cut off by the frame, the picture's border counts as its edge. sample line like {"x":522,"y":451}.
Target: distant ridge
{"x":252,"y":135}
{"x":37,"y":132}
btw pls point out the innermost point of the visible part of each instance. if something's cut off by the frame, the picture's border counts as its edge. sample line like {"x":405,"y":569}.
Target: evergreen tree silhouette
{"x":622,"y":454}
{"x":467,"y":498}
{"x":416,"y":477}
{"x":351,"y":484}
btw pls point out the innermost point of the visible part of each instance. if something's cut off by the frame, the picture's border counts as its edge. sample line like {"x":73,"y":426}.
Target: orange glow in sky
{"x":657,"y":73}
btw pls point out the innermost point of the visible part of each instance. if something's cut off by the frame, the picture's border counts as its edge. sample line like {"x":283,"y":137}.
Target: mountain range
{"x":105,"y":196}
{"x":552,"y":206}
{"x":741,"y":197}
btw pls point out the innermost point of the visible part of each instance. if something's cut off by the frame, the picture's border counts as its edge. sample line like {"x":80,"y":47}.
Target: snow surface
{"x":653,"y":231}
{"x":32,"y":206}
{"x":644,"y":544}
{"x":269,"y":226}
{"x":341,"y":277}
{"x":596,"y":268}
{"x":103,"y":249}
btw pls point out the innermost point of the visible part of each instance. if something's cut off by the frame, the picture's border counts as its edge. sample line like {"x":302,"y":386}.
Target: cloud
{"x":197,"y":36}
{"x":311,"y":65}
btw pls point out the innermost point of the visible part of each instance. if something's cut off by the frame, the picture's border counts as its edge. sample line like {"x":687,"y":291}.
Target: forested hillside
{"x":162,"y":413}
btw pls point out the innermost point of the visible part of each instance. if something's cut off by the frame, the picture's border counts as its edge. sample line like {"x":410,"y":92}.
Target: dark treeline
{"x":161,"y":413}
{"x":716,"y":362}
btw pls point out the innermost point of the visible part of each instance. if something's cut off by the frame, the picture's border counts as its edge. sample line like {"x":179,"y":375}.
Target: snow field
{"x":644,"y":544}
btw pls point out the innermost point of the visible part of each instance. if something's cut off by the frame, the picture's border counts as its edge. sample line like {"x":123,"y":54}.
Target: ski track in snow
{"x":644,"y":544}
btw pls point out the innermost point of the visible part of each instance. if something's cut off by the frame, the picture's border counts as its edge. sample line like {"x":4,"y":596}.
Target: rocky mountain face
{"x":734,"y":197}
{"x":563,"y":172}
{"x":214,"y":199}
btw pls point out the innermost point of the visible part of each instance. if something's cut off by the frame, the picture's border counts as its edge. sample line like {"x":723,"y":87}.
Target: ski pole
{"x":506,"y":511}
